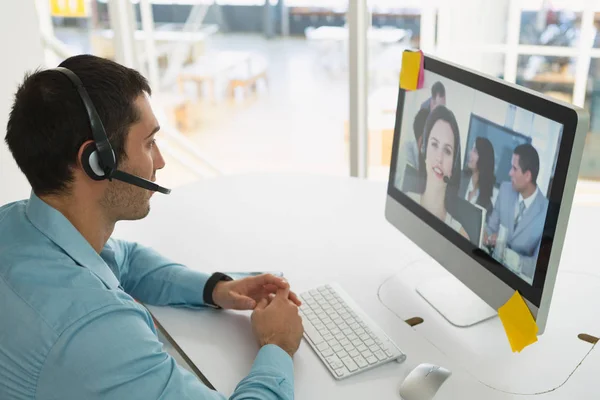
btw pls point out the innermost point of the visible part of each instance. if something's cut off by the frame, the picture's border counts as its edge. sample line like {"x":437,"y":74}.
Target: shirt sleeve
{"x":153,"y":279}
{"x":114,"y":354}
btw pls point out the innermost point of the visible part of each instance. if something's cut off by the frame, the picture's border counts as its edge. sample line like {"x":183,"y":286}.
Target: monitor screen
{"x":481,"y":165}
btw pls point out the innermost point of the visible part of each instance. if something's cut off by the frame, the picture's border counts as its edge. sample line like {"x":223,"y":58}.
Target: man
{"x":412,"y":148}
{"x":521,"y":209}
{"x":71,"y":324}
{"x":438,"y":97}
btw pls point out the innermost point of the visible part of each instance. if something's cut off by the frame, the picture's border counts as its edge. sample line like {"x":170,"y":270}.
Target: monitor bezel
{"x":528,"y":100}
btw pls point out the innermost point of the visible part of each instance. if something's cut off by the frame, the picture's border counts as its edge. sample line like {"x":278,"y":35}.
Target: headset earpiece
{"x":90,"y":160}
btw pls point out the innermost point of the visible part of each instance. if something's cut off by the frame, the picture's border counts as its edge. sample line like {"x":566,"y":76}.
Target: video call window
{"x":481,"y":165}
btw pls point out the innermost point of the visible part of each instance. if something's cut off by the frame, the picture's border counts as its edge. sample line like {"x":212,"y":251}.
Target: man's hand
{"x":489,"y":240}
{"x":277,"y":322}
{"x":245,"y":294}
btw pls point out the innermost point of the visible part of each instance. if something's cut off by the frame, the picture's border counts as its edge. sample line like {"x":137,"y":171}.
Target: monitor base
{"x":481,"y":348}
{"x":455,"y":302}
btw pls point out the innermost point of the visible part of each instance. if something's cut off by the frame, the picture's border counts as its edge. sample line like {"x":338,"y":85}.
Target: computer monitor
{"x":502,"y":149}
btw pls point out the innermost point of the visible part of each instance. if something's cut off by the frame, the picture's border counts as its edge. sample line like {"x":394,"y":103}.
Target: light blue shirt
{"x":68,"y":330}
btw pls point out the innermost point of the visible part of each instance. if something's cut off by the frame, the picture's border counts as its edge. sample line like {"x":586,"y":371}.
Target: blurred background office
{"x":246,"y":86}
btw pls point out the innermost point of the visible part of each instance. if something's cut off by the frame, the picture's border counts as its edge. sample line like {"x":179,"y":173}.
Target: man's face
{"x":519,"y":179}
{"x":143,"y":158}
{"x":437,"y":101}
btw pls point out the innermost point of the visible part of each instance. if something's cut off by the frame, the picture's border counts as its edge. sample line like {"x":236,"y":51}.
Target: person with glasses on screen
{"x":520,"y":213}
{"x":440,"y":166}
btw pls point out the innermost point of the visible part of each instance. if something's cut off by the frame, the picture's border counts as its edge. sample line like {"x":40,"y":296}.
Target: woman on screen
{"x":441,"y":154}
{"x":477,"y":183}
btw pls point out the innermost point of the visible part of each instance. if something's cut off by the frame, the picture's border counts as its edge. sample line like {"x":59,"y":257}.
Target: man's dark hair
{"x":529,"y":160}
{"x":438,"y":89}
{"x":419,"y":123}
{"x":48,"y":122}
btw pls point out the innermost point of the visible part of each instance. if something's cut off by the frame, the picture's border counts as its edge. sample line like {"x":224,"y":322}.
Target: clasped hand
{"x":245,"y":294}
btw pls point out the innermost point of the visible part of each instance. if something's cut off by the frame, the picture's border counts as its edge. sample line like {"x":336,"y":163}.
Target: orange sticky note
{"x":519,"y":325}
{"x":411,"y":73}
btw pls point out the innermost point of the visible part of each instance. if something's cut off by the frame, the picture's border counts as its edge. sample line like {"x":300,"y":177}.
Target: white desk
{"x":315,"y":229}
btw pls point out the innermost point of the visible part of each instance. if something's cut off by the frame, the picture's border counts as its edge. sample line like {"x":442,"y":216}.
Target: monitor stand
{"x":454,"y":301}
{"x":459,"y":326}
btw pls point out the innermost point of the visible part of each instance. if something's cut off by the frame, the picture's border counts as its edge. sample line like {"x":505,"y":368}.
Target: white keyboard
{"x":343,"y":336}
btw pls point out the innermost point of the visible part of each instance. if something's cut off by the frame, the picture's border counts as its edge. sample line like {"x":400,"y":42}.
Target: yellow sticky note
{"x":412,"y":64}
{"x":518,"y":323}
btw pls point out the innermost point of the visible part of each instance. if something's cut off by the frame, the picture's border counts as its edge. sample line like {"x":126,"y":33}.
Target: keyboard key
{"x":360,"y":331}
{"x":337,"y":365}
{"x":369,"y":342}
{"x":344,"y":341}
{"x":337,"y":348}
{"x":327,"y":352}
{"x":357,"y":342}
{"x":323,"y":346}
{"x":360,"y":361}
{"x":354,"y":353}
{"x":327,"y":320}
{"x":362,"y":348}
{"x":343,"y":326}
{"x":366,"y":354}
{"x":349,"y":347}
{"x":313,"y":292}
{"x":330,"y":325}
{"x":381,"y":355}
{"x":332,"y":359}
{"x":352,"y":337}
{"x":327,"y":337}
{"x":322,"y":289}
{"x":374,"y":348}
{"x":318,"y":325}
{"x":313,"y":334}
{"x":337,"y":320}
{"x":389,"y":353}
{"x":340,"y":372}
{"x":364,"y":337}
{"x":372,"y":360}
{"x":332,"y":342}
{"x":350,"y":364}
{"x":347,"y":332}
{"x":342,"y":353}
{"x":338,"y":307}
{"x":340,"y":336}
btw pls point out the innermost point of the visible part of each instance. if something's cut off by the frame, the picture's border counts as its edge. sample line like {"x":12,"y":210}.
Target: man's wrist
{"x":210,"y":286}
{"x":277,"y":343}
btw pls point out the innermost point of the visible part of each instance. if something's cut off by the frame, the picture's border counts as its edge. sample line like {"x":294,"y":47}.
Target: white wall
{"x":21,"y":47}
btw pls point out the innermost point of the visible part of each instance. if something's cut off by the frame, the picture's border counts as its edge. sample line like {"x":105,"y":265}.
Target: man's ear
{"x":528,"y":176}
{"x":81,"y":151}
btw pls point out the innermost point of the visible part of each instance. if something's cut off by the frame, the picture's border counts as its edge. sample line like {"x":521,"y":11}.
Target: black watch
{"x":210,"y":287}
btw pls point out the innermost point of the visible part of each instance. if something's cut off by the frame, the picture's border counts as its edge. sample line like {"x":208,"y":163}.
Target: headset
{"x":98,"y":159}
{"x":457,"y":154}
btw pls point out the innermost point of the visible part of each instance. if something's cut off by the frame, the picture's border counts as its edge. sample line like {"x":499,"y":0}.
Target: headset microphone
{"x":139,"y":182}
{"x":98,"y":158}
{"x":446,"y":179}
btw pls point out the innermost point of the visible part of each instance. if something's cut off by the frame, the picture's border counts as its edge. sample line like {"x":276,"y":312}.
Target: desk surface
{"x":315,"y":229}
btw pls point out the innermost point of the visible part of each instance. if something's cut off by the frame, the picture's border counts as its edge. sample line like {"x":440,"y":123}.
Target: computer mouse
{"x":423,"y":382}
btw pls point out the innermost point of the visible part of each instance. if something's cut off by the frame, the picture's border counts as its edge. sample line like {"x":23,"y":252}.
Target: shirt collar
{"x":530,"y":199}
{"x":59,"y":229}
